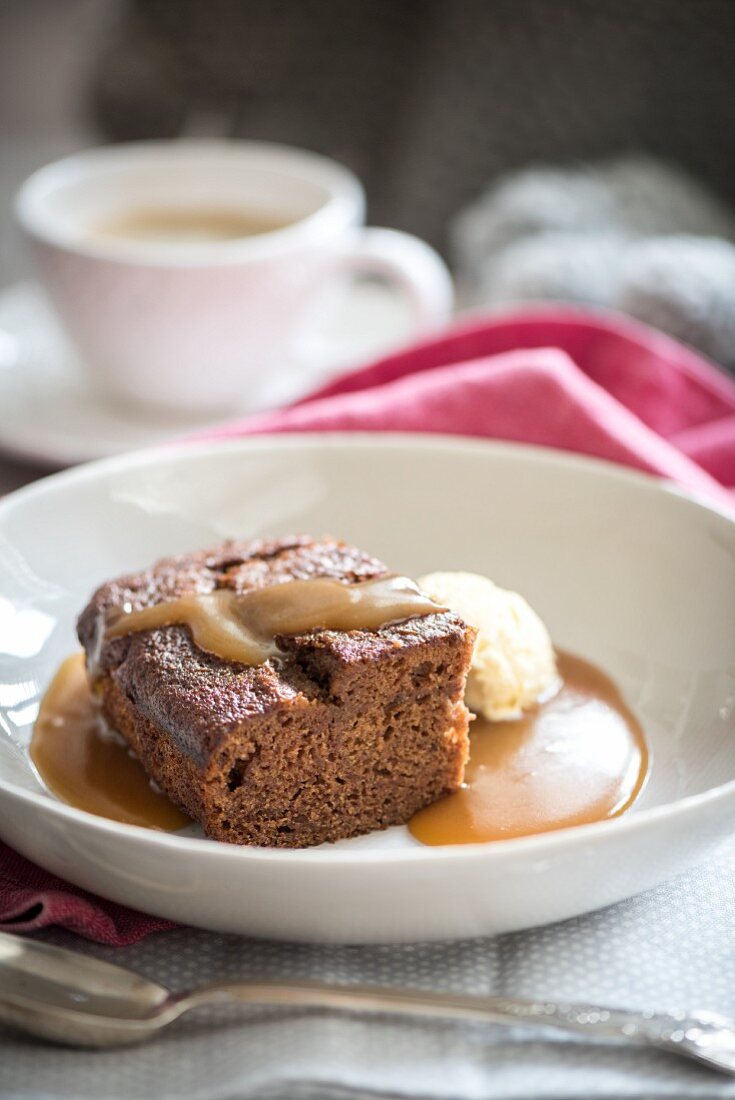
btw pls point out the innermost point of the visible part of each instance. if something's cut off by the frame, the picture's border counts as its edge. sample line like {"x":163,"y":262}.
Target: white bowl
{"x":626,"y":571}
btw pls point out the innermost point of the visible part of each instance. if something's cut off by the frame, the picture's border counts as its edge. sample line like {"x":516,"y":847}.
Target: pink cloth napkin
{"x":31,"y":898}
{"x":598,"y":385}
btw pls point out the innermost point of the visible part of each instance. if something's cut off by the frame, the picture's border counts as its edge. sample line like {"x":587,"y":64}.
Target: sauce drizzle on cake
{"x":244,"y":627}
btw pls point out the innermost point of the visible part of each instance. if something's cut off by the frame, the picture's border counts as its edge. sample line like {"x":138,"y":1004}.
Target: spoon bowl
{"x":70,"y":998}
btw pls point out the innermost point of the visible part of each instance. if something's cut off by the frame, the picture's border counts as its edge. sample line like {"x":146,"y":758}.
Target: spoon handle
{"x":703,"y":1036}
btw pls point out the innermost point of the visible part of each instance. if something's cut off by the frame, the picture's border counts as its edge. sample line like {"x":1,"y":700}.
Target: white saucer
{"x":50,"y":414}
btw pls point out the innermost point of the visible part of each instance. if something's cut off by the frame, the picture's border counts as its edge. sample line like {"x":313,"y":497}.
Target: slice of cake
{"x":335,"y":733}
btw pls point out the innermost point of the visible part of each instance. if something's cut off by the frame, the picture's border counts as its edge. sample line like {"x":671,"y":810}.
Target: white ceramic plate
{"x":627,"y":572}
{"x":51,"y":415}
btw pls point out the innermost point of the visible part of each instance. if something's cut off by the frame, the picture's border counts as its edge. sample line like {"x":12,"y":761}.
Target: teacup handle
{"x":403,"y":261}
{"x":410,"y":264}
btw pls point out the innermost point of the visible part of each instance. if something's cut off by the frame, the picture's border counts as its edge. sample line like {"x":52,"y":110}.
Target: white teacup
{"x":201,"y":324}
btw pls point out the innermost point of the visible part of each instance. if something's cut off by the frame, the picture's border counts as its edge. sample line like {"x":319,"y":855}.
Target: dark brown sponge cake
{"x":342,"y":733}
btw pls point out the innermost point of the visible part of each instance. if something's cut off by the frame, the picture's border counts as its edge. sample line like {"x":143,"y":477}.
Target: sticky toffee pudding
{"x":293,"y":691}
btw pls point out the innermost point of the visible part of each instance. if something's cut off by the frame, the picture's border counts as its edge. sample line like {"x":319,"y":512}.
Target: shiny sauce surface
{"x":578,"y":758}
{"x":90,"y":769}
{"x":243,"y":627}
{"x":581,"y":757}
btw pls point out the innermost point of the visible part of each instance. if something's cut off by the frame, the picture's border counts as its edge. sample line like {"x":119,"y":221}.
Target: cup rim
{"x":344,"y":205}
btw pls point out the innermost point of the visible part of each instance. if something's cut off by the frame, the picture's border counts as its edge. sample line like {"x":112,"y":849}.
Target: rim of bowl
{"x":539,"y":843}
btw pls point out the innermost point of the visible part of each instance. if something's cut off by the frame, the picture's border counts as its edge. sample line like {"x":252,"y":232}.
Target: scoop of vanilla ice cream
{"x":513,"y":664}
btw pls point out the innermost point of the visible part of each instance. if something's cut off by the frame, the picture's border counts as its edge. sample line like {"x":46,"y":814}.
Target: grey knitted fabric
{"x":632,"y":234}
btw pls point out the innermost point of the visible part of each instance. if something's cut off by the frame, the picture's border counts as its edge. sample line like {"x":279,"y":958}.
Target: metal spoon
{"x":70,"y":998}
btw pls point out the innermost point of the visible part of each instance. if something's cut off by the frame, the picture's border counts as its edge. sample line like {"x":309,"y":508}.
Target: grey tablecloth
{"x":674,"y":946}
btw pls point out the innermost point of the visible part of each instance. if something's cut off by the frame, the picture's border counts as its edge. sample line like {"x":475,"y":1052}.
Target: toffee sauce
{"x":577,"y":758}
{"x":580,"y":757}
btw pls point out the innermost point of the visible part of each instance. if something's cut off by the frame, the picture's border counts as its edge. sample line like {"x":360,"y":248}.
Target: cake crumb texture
{"x":341,"y":734}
